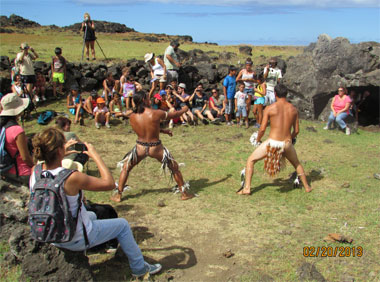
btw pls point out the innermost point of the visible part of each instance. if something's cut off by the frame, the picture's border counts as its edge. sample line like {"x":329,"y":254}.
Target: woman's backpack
{"x":50,"y":217}
{"x":6,"y":160}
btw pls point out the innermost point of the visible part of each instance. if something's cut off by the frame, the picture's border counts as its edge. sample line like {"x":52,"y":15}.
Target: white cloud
{"x":292,"y":3}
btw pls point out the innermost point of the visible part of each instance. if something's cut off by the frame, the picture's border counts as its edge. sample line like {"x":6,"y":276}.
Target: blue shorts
{"x":260,"y":101}
{"x":72,"y":111}
{"x":248,"y":91}
{"x":241,"y":111}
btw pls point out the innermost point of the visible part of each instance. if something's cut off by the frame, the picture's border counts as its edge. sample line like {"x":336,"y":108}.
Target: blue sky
{"x":258,"y":22}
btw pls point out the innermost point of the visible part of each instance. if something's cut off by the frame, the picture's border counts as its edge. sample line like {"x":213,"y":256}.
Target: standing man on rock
{"x":146,"y":124}
{"x":171,"y":61}
{"x":284,"y":128}
{"x":24,"y":61}
{"x":272,"y":76}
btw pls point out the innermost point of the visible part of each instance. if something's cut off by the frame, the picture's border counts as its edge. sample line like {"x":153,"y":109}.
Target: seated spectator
{"x":64,"y":124}
{"x":216,"y":104}
{"x":183,"y":100}
{"x":16,"y":142}
{"x":200,"y":104}
{"x":259,"y":98}
{"x":74,"y":104}
{"x":116,"y":108}
{"x":156,"y":101}
{"x":171,"y":101}
{"x":40,"y":87}
{"x":108,"y":85}
{"x":129,"y":89}
{"x":241,"y":99}
{"x":90,"y":103}
{"x":17,"y":87}
{"x":102,"y":114}
{"x":50,"y":148}
{"x":340,"y":110}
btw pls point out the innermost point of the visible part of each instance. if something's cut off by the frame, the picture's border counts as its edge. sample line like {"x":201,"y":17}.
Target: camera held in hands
{"x":80,"y":147}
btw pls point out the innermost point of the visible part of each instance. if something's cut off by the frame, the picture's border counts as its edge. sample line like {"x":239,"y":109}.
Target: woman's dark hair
{"x":138,"y":99}
{"x":47,"y":143}
{"x":281,"y":90}
{"x":4,"y":120}
{"x":61,"y":122}
{"x":260,"y":77}
{"x":248,"y":61}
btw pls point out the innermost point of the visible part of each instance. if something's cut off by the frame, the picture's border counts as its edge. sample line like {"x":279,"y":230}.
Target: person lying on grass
{"x":283,"y":116}
{"x":146,"y":123}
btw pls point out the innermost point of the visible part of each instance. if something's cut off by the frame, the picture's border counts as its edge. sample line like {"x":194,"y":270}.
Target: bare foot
{"x":186,"y":196}
{"x":116,"y":198}
{"x":244,"y":192}
{"x":308,"y":189}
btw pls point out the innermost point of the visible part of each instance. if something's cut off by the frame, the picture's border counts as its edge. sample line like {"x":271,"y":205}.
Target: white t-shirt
{"x":273,"y":75}
{"x":103,"y":111}
{"x":241,"y":98}
{"x":170,"y":51}
{"x":26,"y":66}
{"x":73,"y":203}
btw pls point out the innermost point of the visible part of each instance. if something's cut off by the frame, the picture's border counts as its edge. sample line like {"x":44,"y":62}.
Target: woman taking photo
{"x":50,"y":147}
{"x":340,"y":109}
{"x":16,"y":142}
{"x":88,"y":27}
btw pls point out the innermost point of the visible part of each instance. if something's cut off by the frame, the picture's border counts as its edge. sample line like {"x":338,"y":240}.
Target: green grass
{"x":119,"y":46}
{"x":255,"y":228}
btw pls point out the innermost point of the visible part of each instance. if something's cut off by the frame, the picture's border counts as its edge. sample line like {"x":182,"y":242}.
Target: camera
{"x":80,"y":147}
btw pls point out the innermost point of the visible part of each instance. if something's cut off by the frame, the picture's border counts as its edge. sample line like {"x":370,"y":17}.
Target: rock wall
{"x":313,"y":77}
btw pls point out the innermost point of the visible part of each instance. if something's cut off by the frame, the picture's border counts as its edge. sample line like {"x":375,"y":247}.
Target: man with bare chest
{"x":146,"y":123}
{"x":284,"y":128}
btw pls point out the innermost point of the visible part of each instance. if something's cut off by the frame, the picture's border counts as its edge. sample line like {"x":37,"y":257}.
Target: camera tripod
{"x":84,"y":43}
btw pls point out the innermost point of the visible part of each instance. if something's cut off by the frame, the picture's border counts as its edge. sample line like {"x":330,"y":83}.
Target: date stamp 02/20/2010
{"x":310,"y":251}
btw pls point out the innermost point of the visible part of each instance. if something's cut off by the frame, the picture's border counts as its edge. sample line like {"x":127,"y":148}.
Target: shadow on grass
{"x":116,"y":269}
{"x":286,"y":185}
{"x":145,"y":191}
{"x":201,"y":183}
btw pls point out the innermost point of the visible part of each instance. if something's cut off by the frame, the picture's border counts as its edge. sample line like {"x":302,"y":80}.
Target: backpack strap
{"x":11,"y":123}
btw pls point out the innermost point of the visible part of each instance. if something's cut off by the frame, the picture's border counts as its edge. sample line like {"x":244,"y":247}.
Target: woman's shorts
{"x":72,"y":111}
{"x":160,"y":78}
{"x":59,"y":77}
{"x":260,"y":101}
{"x":196,"y":109}
{"x":248,"y":91}
{"x":28,"y":78}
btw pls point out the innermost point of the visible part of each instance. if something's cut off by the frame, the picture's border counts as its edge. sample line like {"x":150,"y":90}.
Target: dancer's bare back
{"x":283,"y":116}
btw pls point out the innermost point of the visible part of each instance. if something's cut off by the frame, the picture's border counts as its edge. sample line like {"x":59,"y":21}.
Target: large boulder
{"x":39,"y":262}
{"x":88,"y":83}
{"x":314,"y":76}
{"x":4,"y":63}
{"x":246,"y":50}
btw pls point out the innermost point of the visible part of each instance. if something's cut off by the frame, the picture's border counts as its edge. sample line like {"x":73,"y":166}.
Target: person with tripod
{"x":88,"y":27}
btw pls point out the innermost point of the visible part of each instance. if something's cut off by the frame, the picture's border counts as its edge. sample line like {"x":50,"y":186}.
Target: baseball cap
{"x":163,"y":92}
{"x":158,"y":96}
{"x":182,"y":85}
{"x":100,"y":101}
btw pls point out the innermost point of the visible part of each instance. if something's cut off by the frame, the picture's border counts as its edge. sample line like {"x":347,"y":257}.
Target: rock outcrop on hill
{"x":314,"y":76}
{"x":17,"y":21}
{"x":102,"y":26}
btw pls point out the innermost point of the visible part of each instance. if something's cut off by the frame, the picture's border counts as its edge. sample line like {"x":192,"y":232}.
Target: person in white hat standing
{"x":16,"y":142}
{"x":24,"y":60}
{"x":157,"y":72}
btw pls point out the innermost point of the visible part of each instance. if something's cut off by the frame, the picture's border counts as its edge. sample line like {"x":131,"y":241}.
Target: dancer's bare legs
{"x":291,"y":154}
{"x":155,"y":152}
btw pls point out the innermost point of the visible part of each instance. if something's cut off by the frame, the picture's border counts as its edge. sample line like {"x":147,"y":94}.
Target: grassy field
{"x":119,"y":46}
{"x":267,"y":231}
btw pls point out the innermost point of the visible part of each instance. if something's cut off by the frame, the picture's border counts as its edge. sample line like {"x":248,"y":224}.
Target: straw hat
{"x":70,"y":164}
{"x":13,"y":105}
{"x":148,"y":57}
